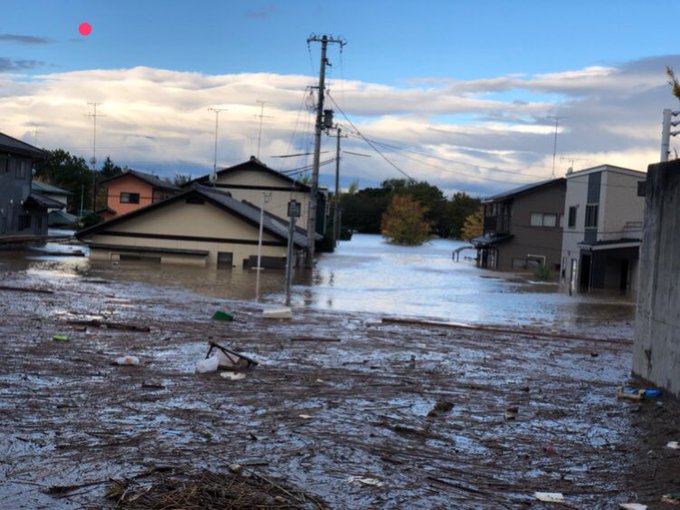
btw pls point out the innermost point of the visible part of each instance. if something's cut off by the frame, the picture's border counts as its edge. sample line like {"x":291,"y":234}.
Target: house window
{"x":4,"y":164}
{"x":20,"y":169}
{"x":225,"y":259}
{"x":129,"y":198}
{"x":591,"y":215}
{"x":641,"y":188}
{"x":543,"y":220}
{"x":572,"y":216}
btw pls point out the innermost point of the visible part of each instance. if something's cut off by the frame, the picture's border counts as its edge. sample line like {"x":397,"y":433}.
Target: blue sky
{"x":449,"y":78}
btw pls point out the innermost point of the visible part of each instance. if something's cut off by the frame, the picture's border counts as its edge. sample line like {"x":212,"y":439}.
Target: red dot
{"x":85,"y":29}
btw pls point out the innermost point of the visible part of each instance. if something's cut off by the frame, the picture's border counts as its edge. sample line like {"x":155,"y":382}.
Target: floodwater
{"x":369,"y":275}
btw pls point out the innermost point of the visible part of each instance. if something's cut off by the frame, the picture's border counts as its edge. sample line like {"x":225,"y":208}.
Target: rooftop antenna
{"x":557,"y":122}
{"x":93,"y":160}
{"x":261,"y":116}
{"x":213,"y":176}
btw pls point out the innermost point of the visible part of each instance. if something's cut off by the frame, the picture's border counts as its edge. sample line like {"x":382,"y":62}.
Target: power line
{"x":370,"y":144}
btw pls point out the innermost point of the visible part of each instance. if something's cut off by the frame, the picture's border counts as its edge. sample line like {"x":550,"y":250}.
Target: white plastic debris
{"x":233,"y":376}
{"x":632,"y":506}
{"x":549,"y":497}
{"x":127,"y":360}
{"x":675,"y":445}
{"x":305,"y":417}
{"x":207,"y":365}
{"x":366,"y":481}
{"x":277,"y":313}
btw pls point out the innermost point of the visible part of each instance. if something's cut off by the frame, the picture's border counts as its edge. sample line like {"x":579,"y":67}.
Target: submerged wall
{"x":656,"y":353}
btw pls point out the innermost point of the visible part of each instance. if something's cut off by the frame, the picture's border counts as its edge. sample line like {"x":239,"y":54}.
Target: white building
{"x":603,"y":215}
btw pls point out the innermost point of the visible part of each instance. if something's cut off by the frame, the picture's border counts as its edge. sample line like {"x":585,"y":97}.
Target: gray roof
{"x":14,"y":146}
{"x":43,"y":187}
{"x":270,"y":222}
{"x":151,"y":179}
{"x":534,"y":186}
{"x":44,"y":201}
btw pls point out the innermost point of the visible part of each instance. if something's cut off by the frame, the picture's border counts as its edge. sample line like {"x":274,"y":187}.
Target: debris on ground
{"x":636,"y":394}
{"x":366,"y":481}
{"x":549,"y":497}
{"x":222,"y":316}
{"x":206,"y":489}
{"x":511,"y":412}
{"x":441,"y":407}
{"x":632,"y":506}
{"x":673,"y":498}
{"x":209,"y":364}
{"x":233,"y":376}
{"x":60,"y":338}
{"x":229,"y":359}
{"x":674,"y":445}
{"x":277,"y":313}
{"x":127,"y":360}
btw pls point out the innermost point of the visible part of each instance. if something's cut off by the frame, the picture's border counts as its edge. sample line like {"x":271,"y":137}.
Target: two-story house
{"x":23,"y":212}
{"x":252,"y":179}
{"x":604,"y":211}
{"x":132,"y":190}
{"x":523,"y":227}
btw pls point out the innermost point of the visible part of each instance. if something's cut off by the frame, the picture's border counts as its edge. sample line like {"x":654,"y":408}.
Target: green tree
{"x":68,"y":172}
{"x":473,"y":225}
{"x":461,"y":206}
{"x":404,"y":221}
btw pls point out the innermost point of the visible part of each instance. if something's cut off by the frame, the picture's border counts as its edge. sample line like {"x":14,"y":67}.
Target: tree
{"x":461,"y":206}
{"x":404,"y":222}
{"x":70,"y":173}
{"x":673,"y":82}
{"x":473,"y":225}
{"x":181,"y":179}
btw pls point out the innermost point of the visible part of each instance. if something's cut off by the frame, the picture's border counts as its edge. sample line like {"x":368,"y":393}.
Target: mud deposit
{"x":352,"y":411}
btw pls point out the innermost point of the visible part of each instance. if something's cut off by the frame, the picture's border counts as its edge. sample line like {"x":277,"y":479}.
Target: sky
{"x":468,"y":96}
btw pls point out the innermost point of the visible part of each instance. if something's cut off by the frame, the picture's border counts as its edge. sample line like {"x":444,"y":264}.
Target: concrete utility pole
{"x":311,"y":222}
{"x":336,"y":204}
{"x":666,"y":132}
{"x":293,"y":214}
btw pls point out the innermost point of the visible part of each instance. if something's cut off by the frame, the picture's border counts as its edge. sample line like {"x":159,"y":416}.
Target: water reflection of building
{"x":604,"y":209}
{"x":523,"y":228}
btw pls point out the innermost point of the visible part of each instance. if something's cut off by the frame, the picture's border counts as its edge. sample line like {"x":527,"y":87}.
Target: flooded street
{"x":347,"y":407}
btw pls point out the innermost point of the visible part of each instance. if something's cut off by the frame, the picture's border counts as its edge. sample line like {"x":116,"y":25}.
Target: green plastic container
{"x":222,"y":316}
{"x":60,"y":338}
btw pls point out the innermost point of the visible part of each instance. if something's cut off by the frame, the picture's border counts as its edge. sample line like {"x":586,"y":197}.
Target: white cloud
{"x":460,"y":135}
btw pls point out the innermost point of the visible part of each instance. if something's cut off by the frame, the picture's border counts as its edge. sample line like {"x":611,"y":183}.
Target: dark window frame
{"x":573,"y":211}
{"x":129,"y":198}
{"x":592,"y":211}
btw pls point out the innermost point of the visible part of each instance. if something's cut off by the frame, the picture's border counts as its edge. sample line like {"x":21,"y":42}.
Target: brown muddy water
{"x":354,"y":411}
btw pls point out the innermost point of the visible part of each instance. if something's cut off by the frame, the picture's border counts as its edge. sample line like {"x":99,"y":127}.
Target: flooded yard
{"x":348,"y":408}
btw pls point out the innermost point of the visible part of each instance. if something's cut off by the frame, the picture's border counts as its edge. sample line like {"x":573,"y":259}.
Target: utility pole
{"x":666,"y":132}
{"x":557,"y":121}
{"x":336,"y":205}
{"x":293,"y":214}
{"x":93,"y":161}
{"x":261,"y":116}
{"x":311,"y":221}
{"x":265,"y":199}
{"x":217,"y":123}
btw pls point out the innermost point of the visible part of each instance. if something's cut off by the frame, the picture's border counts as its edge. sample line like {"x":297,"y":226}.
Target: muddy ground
{"x":340,"y":406}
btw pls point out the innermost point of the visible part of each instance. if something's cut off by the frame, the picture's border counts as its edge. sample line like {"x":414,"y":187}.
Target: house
{"x":253,"y":179}
{"x":131,"y":190}
{"x":202,"y":226}
{"x":604,"y":211}
{"x":522,"y":228}
{"x":57,"y":217}
{"x":23,"y":211}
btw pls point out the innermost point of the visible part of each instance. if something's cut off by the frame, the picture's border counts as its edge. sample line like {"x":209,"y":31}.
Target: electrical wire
{"x":370,"y":144}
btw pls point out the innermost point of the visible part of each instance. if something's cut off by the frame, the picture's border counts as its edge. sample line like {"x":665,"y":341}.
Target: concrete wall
{"x":656,"y":353}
